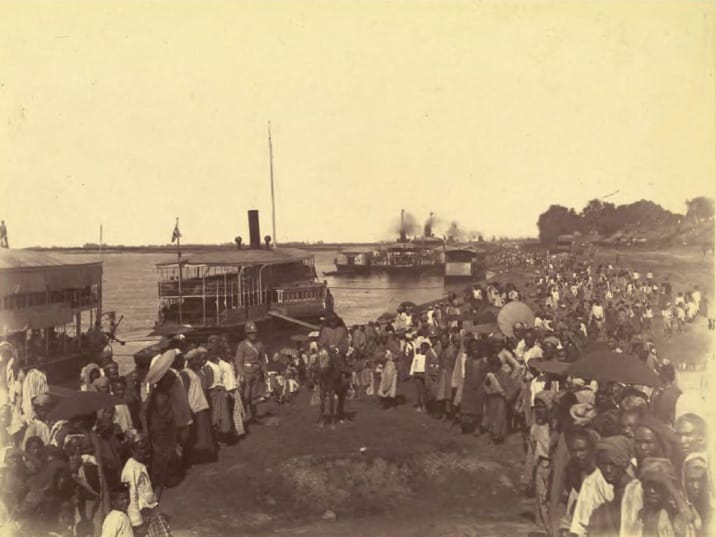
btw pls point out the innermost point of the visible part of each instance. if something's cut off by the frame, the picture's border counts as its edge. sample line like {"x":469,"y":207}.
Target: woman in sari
{"x":221,"y":420}
{"x":388,"y":382}
{"x":495,"y":385}
{"x":166,"y":468}
{"x":201,"y":446}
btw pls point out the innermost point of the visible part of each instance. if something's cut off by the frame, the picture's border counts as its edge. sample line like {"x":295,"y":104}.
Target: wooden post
{"x":180,"y":271}
{"x":273,"y":202}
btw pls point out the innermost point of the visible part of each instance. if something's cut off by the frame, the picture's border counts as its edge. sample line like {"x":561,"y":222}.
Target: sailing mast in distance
{"x":273,"y":200}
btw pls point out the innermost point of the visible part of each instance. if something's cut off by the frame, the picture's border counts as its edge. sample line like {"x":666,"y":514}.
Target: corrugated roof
{"x":355,"y":251}
{"x":16,"y":259}
{"x":455,"y":248}
{"x":244,"y":257}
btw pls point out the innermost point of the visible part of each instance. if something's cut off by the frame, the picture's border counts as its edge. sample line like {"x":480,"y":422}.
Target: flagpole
{"x":273,"y":203}
{"x":180,"y":269}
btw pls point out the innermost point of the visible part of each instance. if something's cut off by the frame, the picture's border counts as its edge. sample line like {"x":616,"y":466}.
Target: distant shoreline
{"x":189,"y":248}
{"x":193,"y":248}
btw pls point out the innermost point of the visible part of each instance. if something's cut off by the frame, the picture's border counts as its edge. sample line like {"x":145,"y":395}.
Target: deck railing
{"x":299,"y":294}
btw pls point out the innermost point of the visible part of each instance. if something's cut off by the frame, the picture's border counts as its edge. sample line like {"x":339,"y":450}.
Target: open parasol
{"x":160,"y":366}
{"x":515,"y":312}
{"x":82,"y":404}
{"x":610,"y":366}
{"x":171,"y":330}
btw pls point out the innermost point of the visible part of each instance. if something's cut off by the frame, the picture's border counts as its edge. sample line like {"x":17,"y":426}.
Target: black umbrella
{"x":614,"y":367}
{"x":82,"y":404}
{"x":553,"y":367}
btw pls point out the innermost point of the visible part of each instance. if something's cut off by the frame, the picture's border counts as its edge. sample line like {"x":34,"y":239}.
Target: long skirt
{"x":496,"y":416}
{"x":220,"y":418}
{"x":443,"y":390}
{"x":166,"y":466}
{"x":202,"y":447}
{"x":237,"y":413}
{"x":157,"y":525}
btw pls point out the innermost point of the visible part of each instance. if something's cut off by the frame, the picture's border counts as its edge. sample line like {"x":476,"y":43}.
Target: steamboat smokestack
{"x":254,"y":231}
{"x":403,"y":235}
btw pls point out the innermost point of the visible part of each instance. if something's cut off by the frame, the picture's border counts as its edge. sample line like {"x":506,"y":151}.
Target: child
{"x":116,"y":523}
{"x":143,"y":509}
{"x":667,"y":318}
{"x":122,"y":415}
{"x":417,"y":371}
{"x":538,"y":459}
{"x":34,"y":455}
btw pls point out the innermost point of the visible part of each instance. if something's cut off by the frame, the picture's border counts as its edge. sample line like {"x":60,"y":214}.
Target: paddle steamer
{"x":220,"y":291}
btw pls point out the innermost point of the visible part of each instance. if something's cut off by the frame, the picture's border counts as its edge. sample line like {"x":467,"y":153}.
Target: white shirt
{"x":594,"y":492}
{"x":195,"y":393}
{"x":534,"y":352}
{"x":228,"y":377}
{"x":696,"y":296}
{"x":141,"y":493}
{"x":123,"y":417}
{"x":418,"y":364}
{"x":217,"y":374}
{"x":116,"y":524}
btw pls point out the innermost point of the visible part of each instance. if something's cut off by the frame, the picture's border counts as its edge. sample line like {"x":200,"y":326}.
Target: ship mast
{"x":273,"y":201}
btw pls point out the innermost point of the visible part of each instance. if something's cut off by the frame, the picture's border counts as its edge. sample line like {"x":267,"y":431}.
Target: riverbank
{"x":395,"y":473}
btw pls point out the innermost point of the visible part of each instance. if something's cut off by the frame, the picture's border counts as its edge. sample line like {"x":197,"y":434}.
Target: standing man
{"x":250,"y":362}
{"x":334,"y":339}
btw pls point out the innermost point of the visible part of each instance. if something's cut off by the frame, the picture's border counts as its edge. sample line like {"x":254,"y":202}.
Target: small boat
{"x":51,"y":312}
{"x":464,"y":263}
{"x":353,"y":261}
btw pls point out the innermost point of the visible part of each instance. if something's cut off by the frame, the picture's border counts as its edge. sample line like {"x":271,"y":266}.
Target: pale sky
{"x":133,"y":113}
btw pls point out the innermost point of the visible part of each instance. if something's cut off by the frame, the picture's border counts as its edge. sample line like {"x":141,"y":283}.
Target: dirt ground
{"x":389,"y":473}
{"x":411,"y":472}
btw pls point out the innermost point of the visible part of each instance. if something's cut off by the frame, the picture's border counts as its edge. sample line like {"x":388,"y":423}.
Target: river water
{"x":130,"y":289}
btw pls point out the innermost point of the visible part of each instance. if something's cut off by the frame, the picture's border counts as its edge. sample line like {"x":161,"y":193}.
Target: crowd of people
{"x":602,"y":458}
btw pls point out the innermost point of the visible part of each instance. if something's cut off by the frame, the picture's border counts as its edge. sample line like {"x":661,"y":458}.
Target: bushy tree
{"x":557,"y":220}
{"x":699,"y":209}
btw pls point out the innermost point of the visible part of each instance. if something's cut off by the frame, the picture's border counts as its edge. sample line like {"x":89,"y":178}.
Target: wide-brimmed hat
{"x":159,"y":366}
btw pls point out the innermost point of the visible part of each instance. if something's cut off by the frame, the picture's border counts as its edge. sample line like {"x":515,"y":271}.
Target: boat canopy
{"x":38,"y":290}
{"x":402,"y":247}
{"x":244,"y":257}
{"x":24,"y":272}
{"x":354,"y":251}
{"x":427,"y":242}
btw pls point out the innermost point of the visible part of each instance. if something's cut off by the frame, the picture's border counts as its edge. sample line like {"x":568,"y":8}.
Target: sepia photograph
{"x":357,"y":268}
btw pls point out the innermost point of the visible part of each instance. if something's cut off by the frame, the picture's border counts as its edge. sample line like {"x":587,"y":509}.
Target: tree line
{"x":606,"y":219}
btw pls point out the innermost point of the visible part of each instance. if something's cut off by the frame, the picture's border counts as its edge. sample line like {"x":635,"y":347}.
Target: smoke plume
{"x":408,"y":226}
